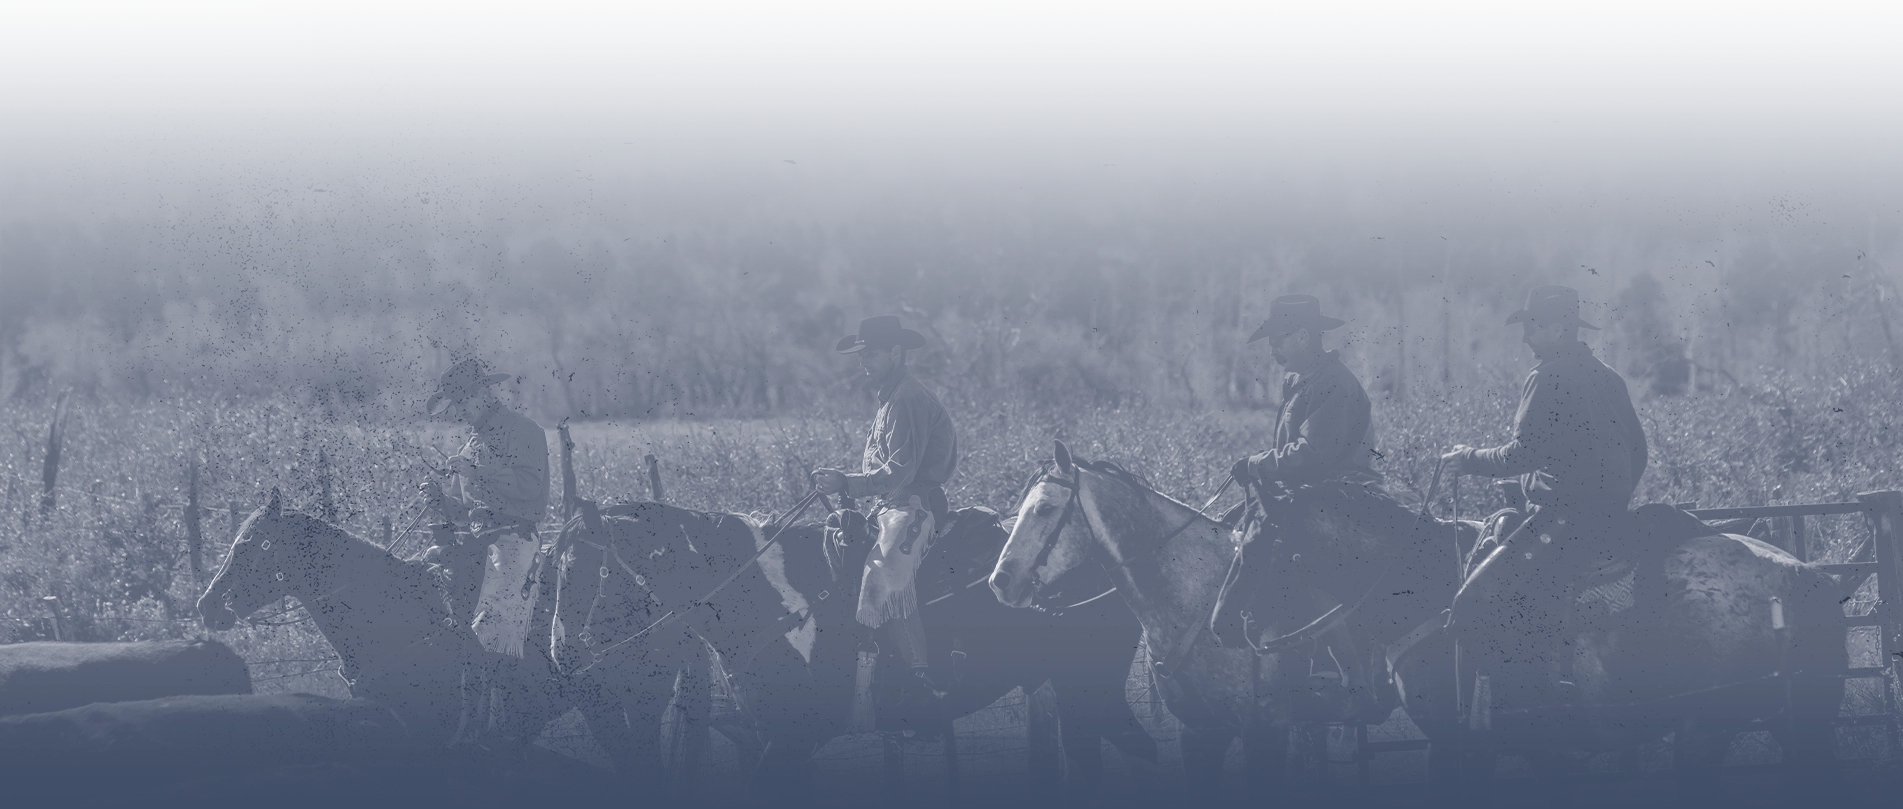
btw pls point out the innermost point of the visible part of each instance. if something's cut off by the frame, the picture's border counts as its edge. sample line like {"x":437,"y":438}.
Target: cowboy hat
{"x":460,"y":382}
{"x":1291,"y":312}
{"x":1551,"y":304}
{"x":880,"y":332}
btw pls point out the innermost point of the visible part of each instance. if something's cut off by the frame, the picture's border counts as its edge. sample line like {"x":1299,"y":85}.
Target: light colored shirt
{"x":511,"y":474}
{"x":912,"y":446}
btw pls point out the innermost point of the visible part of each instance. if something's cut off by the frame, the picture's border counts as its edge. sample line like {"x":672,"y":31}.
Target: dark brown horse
{"x":784,"y":627}
{"x":390,"y":621}
{"x":404,"y":643}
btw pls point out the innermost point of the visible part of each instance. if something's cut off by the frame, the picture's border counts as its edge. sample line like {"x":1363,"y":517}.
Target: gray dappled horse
{"x":405,"y":641}
{"x":1169,"y":561}
{"x":785,"y":628}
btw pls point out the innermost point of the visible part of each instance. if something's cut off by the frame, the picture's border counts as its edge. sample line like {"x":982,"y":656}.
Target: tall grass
{"x":110,"y":561}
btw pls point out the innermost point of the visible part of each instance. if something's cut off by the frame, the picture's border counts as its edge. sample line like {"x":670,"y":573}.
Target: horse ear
{"x":276,"y":506}
{"x":1063,"y":458}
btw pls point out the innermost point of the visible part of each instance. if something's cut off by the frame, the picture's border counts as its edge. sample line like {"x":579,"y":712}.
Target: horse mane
{"x":430,"y":579}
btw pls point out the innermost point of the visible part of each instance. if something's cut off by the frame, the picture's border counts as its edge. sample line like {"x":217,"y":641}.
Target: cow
{"x":45,"y":676}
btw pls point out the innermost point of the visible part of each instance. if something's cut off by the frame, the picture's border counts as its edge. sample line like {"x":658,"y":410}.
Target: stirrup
{"x":931,"y":687}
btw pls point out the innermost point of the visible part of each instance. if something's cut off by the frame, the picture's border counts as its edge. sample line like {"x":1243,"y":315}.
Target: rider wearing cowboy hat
{"x":1325,"y":430}
{"x":910,"y":453}
{"x":1579,"y":450}
{"x":503,"y":482}
{"x":1324,"y":434}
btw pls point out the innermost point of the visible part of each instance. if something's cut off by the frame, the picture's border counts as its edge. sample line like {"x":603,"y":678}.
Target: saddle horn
{"x":590,"y":514}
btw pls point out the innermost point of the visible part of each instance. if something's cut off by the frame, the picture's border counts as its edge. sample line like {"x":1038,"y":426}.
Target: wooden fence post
{"x":1886,"y":522}
{"x":326,"y":501}
{"x":55,"y":440}
{"x":654,"y":478}
{"x":194,"y":533}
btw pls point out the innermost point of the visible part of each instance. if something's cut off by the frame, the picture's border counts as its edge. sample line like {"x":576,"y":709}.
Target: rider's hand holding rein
{"x":829,"y":481}
{"x":1459,"y":459}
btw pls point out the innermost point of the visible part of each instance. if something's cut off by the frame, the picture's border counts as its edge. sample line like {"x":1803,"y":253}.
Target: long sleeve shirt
{"x":1577,"y":440}
{"x":1325,"y":430}
{"x":511,"y":473}
{"x":912,"y":447}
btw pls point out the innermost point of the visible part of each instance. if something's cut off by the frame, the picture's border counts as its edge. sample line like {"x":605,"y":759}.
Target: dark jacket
{"x":1325,"y":431}
{"x":1577,"y":441}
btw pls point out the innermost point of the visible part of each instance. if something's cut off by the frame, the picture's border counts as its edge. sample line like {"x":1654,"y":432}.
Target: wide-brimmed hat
{"x":1551,"y":304}
{"x":460,"y":382}
{"x":883,"y":331}
{"x":1291,"y":312}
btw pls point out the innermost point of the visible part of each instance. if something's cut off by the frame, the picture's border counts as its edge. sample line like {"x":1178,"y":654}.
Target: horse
{"x":405,"y":641}
{"x":1669,"y":671}
{"x":1166,"y":560}
{"x":785,"y":629}
{"x":622,"y":696}
{"x":390,"y":622}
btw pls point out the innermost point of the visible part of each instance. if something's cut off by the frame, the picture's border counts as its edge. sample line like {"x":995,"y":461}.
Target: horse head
{"x":254,"y":571}
{"x":1051,"y":537}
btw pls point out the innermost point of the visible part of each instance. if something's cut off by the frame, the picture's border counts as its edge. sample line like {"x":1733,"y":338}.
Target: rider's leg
{"x":1509,"y":611}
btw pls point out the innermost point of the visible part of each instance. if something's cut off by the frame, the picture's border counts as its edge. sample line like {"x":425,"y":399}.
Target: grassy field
{"x":111,"y":559}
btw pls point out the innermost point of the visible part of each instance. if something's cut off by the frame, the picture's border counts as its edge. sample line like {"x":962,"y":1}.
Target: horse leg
{"x":1203,"y":750}
{"x":893,"y":744}
{"x":1083,"y":753}
{"x":1265,"y":751}
{"x":689,"y":742}
{"x":1809,"y":740}
{"x":1550,"y":768}
{"x":1698,"y":751}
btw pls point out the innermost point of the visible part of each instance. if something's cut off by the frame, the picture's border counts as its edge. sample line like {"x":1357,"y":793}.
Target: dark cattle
{"x":46,"y":676}
{"x":111,"y":752}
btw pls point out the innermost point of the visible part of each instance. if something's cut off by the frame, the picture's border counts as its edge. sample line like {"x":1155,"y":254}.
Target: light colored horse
{"x":1706,"y":664}
{"x":1167,"y":561}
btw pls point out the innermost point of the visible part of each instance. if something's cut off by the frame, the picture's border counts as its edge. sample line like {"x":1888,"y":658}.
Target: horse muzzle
{"x":1013,"y":589}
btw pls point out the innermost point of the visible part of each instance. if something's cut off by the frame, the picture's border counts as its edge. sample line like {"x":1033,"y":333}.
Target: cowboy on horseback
{"x":910,"y":453}
{"x":1323,"y":436}
{"x":1579,"y":450}
{"x":502,"y":476}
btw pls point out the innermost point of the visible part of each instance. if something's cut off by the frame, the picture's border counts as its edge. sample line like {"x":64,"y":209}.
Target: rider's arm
{"x":1336,"y":421}
{"x":1533,"y":433}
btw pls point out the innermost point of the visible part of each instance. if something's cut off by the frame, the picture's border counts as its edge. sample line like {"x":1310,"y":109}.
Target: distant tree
{"x":1657,"y":355}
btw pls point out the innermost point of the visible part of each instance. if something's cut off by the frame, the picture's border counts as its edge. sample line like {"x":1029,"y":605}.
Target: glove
{"x":1242,"y":472}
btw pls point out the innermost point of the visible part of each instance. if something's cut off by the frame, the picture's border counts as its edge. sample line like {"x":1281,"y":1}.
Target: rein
{"x":610,"y":551}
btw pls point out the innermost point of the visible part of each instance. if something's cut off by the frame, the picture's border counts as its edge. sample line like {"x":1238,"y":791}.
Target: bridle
{"x":1164,"y":664}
